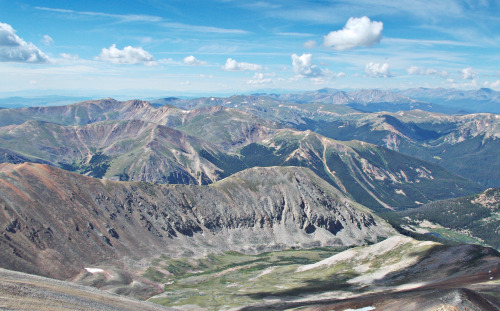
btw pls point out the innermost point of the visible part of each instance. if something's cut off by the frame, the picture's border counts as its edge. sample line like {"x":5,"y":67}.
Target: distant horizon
{"x":194,"y":94}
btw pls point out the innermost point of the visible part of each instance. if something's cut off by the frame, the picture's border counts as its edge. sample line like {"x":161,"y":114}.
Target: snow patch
{"x":94,"y":270}
{"x":400,"y":191}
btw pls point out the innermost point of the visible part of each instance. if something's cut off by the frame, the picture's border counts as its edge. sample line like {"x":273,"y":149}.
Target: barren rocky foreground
{"x":21,"y":291}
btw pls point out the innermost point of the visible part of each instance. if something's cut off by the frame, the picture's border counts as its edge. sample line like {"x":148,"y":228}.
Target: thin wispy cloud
{"x":329,"y":12}
{"x":427,"y":42}
{"x":146,"y":18}
{"x":204,"y":29}
{"x":294,"y":34}
{"x":47,"y":40}
{"x":120,"y":17}
{"x":309,"y":44}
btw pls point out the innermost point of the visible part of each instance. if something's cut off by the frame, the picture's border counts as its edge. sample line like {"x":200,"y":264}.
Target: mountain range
{"x":203,"y":145}
{"x":463,"y":144}
{"x":318,"y":200}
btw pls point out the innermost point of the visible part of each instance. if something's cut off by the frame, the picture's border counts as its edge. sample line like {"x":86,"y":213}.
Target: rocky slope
{"x":462,"y":144}
{"x":397,"y":272}
{"x":229,"y":128}
{"x":457,"y":142}
{"x":144,"y":151}
{"x":55,"y":223}
{"x":80,"y":113}
{"x":21,"y":291}
{"x":374,"y":176}
{"x":476,"y":216}
{"x":125,"y":150}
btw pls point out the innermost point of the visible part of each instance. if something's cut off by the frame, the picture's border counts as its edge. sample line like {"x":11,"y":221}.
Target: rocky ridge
{"x":52,"y":218}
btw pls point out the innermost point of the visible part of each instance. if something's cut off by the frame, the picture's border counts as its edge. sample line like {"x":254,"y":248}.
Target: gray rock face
{"x":54,"y":222}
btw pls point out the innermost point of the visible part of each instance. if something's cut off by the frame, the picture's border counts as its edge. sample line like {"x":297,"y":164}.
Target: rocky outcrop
{"x":53,"y":222}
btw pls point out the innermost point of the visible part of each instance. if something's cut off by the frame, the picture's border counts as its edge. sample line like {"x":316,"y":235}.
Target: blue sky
{"x":158,"y":48}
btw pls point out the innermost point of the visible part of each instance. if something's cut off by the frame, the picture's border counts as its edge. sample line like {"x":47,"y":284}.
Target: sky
{"x":157,"y":48}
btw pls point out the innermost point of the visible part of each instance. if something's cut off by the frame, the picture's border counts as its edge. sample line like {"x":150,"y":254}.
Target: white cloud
{"x":415,"y":70}
{"x":468,"y":73}
{"x":259,"y":78}
{"x":207,"y":29}
{"x":47,"y":40}
{"x":492,"y":84}
{"x":129,"y":55}
{"x":303,"y":66}
{"x":467,"y":84}
{"x":309,"y":44}
{"x":191,"y":60}
{"x":232,"y":65}
{"x":121,"y":18}
{"x":378,"y":70}
{"x":356,"y":32}
{"x":15,"y":49}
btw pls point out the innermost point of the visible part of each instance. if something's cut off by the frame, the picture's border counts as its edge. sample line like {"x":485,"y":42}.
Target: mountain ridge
{"x":53,"y":218}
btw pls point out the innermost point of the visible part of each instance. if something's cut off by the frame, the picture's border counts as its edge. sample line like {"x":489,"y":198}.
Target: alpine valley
{"x":326,"y":200}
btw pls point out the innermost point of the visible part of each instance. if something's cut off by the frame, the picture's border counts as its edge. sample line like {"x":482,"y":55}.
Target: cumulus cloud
{"x":378,"y":70}
{"x":15,"y":49}
{"x":259,"y":78}
{"x":356,"y":32}
{"x":468,"y":73}
{"x":129,"y":55}
{"x":233,"y":65}
{"x":415,"y":70}
{"x":495,"y":84}
{"x":492,"y":84}
{"x":192,"y":61}
{"x":303,"y":66}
